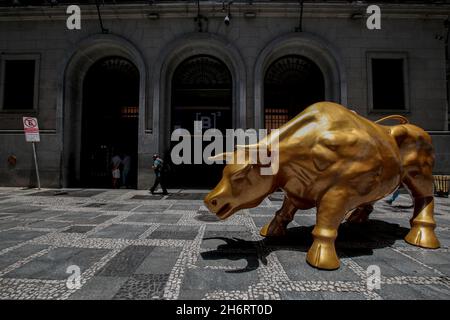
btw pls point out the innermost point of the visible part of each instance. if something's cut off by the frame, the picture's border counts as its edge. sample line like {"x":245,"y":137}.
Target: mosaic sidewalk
{"x":132,"y":245}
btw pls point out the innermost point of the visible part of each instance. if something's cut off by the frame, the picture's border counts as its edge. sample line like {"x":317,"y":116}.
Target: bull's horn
{"x":249,"y":146}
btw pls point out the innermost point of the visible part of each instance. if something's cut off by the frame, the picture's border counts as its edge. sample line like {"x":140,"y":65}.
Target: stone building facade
{"x":147,"y":44}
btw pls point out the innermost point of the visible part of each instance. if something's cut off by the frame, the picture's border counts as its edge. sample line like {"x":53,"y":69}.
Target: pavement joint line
{"x":417,"y":280}
{"x":137,"y":223}
{"x":418,"y":249}
{"x":24,"y":261}
{"x":176,"y":276}
{"x":107,"y":223}
{"x":419,"y":262}
{"x":149,"y":231}
{"x":35,"y":229}
{"x":78,"y":241}
{"x":134,"y":209}
{"x":31,"y":241}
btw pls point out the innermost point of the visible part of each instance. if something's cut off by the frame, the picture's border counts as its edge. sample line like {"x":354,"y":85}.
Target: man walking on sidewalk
{"x":158,"y":167}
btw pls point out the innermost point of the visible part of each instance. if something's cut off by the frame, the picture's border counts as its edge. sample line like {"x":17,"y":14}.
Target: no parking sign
{"x":31,"y":128}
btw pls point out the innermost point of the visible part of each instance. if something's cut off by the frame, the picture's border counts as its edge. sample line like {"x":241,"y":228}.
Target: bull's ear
{"x":250,"y":152}
{"x":242,"y":173}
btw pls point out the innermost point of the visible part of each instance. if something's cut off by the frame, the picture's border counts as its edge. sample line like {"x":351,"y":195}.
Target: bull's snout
{"x":211,"y":202}
{"x":217,"y":205}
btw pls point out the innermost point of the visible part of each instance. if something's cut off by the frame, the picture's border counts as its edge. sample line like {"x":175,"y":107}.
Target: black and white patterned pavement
{"x":132,"y":245}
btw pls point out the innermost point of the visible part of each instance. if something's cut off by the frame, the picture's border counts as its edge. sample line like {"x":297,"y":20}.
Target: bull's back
{"x":344,"y":147}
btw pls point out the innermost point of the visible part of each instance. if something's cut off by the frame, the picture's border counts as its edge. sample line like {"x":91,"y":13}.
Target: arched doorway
{"x":291,"y":84}
{"x":110,"y":114}
{"x":201,"y":91}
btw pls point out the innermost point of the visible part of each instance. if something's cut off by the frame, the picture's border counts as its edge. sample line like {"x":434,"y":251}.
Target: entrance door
{"x":291,"y":84}
{"x":201,"y":91}
{"x":109,"y":120}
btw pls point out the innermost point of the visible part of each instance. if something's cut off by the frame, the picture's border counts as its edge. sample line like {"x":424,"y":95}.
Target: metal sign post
{"x":36,"y":166}
{"x":30,"y":126}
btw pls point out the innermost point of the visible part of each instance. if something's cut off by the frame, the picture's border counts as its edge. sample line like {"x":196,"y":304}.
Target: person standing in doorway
{"x":115,"y":170}
{"x":158,"y":168}
{"x":126,"y":166}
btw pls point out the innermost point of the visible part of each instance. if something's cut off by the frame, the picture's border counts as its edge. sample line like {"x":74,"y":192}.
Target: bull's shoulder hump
{"x":295,"y":126}
{"x":326,"y":107}
{"x":335,"y":139}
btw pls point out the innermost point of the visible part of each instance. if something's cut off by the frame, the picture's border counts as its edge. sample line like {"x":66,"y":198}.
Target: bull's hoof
{"x":423,"y":236}
{"x":322,"y":255}
{"x":272,"y":230}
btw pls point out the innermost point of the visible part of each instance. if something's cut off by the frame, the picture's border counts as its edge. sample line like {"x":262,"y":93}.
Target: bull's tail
{"x":401,"y":119}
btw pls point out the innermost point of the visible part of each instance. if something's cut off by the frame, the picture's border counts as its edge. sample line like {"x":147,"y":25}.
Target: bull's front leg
{"x":330,"y":213}
{"x":423,"y":224}
{"x":278,"y":226}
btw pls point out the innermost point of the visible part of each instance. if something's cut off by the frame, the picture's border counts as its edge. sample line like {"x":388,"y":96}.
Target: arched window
{"x":201,"y":91}
{"x":291,"y":84}
{"x":109,"y":120}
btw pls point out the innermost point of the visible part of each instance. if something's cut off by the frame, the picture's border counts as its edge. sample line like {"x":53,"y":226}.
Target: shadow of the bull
{"x":353,"y":240}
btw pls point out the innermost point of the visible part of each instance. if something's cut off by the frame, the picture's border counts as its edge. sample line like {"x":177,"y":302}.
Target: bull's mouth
{"x":225,"y":211}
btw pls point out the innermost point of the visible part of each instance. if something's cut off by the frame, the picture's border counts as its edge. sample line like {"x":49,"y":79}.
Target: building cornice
{"x":212,"y":9}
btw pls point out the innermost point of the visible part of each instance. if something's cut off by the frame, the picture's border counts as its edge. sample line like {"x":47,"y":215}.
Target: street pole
{"x":36,"y":167}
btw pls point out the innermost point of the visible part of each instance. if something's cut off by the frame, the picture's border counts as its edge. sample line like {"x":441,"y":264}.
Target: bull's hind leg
{"x":422,"y":223}
{"x":360,"y":214}
{"x":330,"y":213}
{"x":278,"y":225}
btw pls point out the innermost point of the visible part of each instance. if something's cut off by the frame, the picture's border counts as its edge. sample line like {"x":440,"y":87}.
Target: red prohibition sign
{"x":30,"y":123}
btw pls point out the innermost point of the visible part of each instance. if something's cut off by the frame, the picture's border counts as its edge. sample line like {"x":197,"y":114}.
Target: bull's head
{"x":242,"y":186}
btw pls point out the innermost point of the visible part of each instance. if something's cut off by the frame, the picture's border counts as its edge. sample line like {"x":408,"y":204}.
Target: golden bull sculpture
{"x":341,"y":163}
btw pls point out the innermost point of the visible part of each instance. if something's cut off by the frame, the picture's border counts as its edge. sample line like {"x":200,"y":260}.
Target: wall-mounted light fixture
{"x":250,"y":14}
{"x":227,"y":18}
{"x":153,"y":16}
{"x":356,"y":16}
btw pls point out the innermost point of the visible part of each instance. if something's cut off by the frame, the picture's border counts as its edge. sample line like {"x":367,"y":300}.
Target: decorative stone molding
{"x":310,"y":46}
